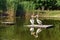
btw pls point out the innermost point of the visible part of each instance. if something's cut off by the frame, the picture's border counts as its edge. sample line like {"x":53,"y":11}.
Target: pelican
{"x":39,"y":29}
{"x":32,"y":23}
{"x":38,"y":21}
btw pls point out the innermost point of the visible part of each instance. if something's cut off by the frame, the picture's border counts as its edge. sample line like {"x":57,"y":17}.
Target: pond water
{"x":19,"y":32}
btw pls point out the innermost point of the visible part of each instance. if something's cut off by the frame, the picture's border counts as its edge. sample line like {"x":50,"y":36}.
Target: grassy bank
{"x":45,"y":14}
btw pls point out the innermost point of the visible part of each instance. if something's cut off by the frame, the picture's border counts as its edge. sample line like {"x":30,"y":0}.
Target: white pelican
{"x":40,"y":23}
{"x":32,"y":23}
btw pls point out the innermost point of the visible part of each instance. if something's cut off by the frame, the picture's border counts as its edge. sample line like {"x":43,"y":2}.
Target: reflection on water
{"x":19,"y":32}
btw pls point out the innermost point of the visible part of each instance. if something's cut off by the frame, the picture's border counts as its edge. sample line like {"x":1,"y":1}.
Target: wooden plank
{"x":42,"y":26}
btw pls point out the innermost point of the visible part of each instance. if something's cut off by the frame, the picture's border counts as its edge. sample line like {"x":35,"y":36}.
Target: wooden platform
{"x":41,"y":26}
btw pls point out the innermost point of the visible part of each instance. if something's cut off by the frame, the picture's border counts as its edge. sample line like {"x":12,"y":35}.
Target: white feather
{"x":39,"y":21}
{"x":32,"y":21}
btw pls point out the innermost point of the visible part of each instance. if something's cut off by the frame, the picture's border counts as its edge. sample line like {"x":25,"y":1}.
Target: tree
{"x":58,"y":4}
{"x":3,"y":5}
{"x":45,"y":3}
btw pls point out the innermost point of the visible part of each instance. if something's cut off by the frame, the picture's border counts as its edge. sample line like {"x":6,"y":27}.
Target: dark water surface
{"x":19,"y":32}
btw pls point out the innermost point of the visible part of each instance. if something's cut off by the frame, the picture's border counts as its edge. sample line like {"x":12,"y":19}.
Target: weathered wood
{"x":42,"y":26}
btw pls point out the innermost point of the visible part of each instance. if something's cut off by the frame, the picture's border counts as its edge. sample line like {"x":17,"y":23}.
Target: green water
{"x":19,"y":32}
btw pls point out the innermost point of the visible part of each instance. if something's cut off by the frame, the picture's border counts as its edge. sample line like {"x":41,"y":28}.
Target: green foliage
{"x":45,"y":3}
{"x":3,"y":5}
{"x":28,"y":5}
{"x":10,"y":3}
{"x":58,"y":2}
